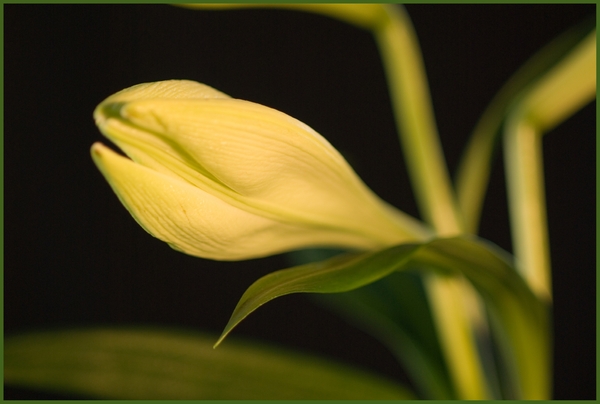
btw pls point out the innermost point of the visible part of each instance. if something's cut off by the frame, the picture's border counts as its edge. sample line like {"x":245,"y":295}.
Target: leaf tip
{"x":221,"y":338}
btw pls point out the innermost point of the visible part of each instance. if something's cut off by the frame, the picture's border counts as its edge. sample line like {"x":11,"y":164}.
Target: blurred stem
{"x":564,"y":90}
{"x":474,"y":169}
{"x":456,"y":308}
{"x":415,"y":120}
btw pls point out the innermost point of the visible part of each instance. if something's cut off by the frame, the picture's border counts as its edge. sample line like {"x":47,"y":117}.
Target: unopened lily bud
{"x":228,"y":179}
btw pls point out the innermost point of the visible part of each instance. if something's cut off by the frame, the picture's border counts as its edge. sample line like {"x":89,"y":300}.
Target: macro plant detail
{"x":266,"y":182}
{"x":228,"y":179}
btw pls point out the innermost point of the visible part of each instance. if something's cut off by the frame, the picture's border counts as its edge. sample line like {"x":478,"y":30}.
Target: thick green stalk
{"x":474,"y":170}
{"x":416,"y":122}
{"x":560,"y":93}
{"x":456,"y":308}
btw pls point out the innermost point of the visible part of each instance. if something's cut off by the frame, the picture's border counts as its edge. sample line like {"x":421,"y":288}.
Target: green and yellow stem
{"x":473,"y":173}
{"x":456,"y":308}
{"x":564,"y":90}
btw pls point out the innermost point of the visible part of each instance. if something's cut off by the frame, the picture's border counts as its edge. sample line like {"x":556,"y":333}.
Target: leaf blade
{"x":338,"y":274}
{"x":165,"y":364}
{"x":520,"y":318}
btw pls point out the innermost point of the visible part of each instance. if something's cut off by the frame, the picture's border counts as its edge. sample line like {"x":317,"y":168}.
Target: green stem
{"x":456,"y":308}
{"x":474,"y":169}
{"x":560,"y":93}
{"x":415,"y":120}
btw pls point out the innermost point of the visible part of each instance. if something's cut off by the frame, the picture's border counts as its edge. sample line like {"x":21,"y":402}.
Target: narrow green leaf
{"x":160,"y":364}
{"x":338,"y":274}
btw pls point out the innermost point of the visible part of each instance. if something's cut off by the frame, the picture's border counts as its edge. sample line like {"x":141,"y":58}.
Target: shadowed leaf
{"x":159,"y":364}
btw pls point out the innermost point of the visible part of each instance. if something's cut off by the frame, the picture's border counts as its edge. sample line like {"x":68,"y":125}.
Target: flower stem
{"x":473,"y":172}
{"x":456,"y":309}
{"x":565,"y":89}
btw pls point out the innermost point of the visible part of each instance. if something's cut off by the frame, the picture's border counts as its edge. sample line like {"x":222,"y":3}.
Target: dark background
{"x":73,"y":255}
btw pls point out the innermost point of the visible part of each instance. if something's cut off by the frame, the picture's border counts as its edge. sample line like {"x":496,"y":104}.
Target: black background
{"x":73,"y":255}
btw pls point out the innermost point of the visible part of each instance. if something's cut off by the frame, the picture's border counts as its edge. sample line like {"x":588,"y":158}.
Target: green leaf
{"x":161,"y":364}
{"x":338,"y":274}
{"x":519,"y":318}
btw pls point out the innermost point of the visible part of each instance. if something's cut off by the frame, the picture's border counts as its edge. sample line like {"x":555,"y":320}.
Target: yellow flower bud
{"x":228,"y":179}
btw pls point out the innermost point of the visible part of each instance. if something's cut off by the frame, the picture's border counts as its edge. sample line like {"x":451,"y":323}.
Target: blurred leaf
{"x":160,"y":364}
{"x":562,"y":91}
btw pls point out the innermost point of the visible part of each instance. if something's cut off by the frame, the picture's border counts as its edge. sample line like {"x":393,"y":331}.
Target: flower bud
{"x":228,"y":179}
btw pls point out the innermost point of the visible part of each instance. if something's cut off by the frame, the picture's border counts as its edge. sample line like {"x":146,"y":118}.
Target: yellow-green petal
{"x":250,"y":156}
{"x":197,"y":223}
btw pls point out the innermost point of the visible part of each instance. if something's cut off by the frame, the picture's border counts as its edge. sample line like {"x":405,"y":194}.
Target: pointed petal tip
{"x":105,"y":158}
{"x":96,"y":150}
{"x":99,"y":151}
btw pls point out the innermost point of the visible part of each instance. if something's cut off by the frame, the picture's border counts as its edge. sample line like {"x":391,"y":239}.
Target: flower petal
{"x":197,"y":223}
{"x":251,"y":156}
{"x":167,"y":89}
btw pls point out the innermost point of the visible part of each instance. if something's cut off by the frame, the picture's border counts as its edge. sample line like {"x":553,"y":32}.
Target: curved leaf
{"x":519,"y":318}
{"x":395,"y":310}
{"x":338,"y":274}
{"x":160,"y":364}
